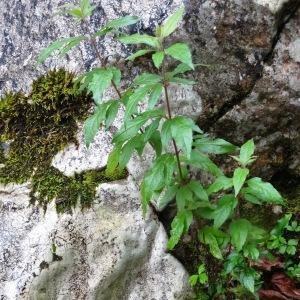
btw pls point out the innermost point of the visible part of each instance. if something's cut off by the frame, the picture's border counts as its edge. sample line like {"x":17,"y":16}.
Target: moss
{"x":38,"y":126}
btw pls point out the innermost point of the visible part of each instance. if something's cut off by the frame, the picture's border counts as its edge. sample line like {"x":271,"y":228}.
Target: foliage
{"x":181,"y":149}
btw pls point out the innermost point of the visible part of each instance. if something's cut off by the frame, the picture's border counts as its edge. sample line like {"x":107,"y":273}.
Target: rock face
{"x":109,"y":251}
{"x":271,"y":112}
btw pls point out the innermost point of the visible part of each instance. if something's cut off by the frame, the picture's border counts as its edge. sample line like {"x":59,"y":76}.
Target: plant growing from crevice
{"x":181,"y":150}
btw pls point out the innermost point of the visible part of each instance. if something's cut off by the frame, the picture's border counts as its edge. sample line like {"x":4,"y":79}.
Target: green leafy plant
{"x":181,"y":148}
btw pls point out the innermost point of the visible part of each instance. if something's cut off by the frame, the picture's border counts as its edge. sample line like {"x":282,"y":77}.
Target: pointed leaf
{"x":122,"y":22}
{"x":172,"y":22}
{"x":140,"y":39}
{"x":138,"y":54}
{"x":181,"y":52}
{"x":158,"y":58}
{"x":239,"y":177}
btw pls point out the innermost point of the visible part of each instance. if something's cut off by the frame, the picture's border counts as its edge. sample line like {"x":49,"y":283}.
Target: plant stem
{"x":174,"y":142}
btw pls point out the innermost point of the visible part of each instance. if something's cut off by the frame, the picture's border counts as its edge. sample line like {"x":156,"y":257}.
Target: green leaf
{"x":198,"y":190}
{"x":155,"y":141}
{"x":156,"y":178}
{"x":101,"y":80}
{"x":113,"y":160}
{"x":139,"y":53}
{"x":281,"y":225}
{"x":247,"y":279}
{"x":183,"y":195}
{"x":181,"y":68}
{"x":134,"y":125}
{"x":134,"y":99}
{"x":225,"y":208}
{"x":155,"y":95}
{"x":221,"y":183}
{"x":172,"y":22}
{"x":179,"y":225}
{"x":239,"y":178}
{"x":182,"y":132}
{"x":246,"y":152}
{"x":251,"y":251}
{"x":214,"y":146}
{"x":263,"y":191}
{"x":239,"y":230}
{"x":158,"y":58}
{"x":181,"y":52}
{"x":193,"y":280}
{"x":208,"y":236}
{"x":122,"y":22}
{"x":140,"y":39}
{"x":86,"y":8}
{"x":66,"y":43}
{"x":147,"y":78}
{"x":102,"y":32}
{"x":111,"y":113}
{"x":116,"y":75}
{"x":167,"y":197}
{"x":202,"y":162}
{"x":92,"y":124}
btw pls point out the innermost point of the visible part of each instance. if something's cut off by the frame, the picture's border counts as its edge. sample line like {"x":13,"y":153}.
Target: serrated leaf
{"x":101,"y":80}
{"x":221,"y":183}
{"x":155,"y":95}
{"x":59,"y":45}
{"x":113,"y":160}
{"x":102,"y":32}
{"x":116,"y":75}
{"x":147,"y":78}
{"x":122,"y":22}
{"x":183,"y":195}
{"x":111,"y":113}
{"x":263,"y":191}
{"x":198,"y":190}
{"x":138,"y":54}
{"x":214,"y":146}
{"x":182,"y":132}
{"x":167,"y":197}
{"x":239,"y":230}
{"x":207,"y":236}
{"x":225,"y":208}
{"x":134,"y":125}
{"x":181,"y":52}
{"x":158,"y":58}
{"x":179,"y":225}
{"x":239,"y":178}
{"x":140,"y":39}
{"x":134,"y":99}
{"x":172,"y":22}
{"x":155,"y":141}
{"x":202,"y":162}
{"x":193,"y":280}
{"x":246,"y":152}
{"x":92,"y":124}
{"x":247,"y":279}
{"x":180,"y":69}
{"x":86,"y":8}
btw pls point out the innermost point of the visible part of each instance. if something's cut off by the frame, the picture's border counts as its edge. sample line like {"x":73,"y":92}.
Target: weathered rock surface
{"x":107,"y":252}
{"x":110,"y":251}
{"x":271,"y":112}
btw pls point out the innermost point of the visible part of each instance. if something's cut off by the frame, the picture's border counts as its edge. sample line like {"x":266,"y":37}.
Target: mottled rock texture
{"x":271,"y":112}
{"x":109,"y":251}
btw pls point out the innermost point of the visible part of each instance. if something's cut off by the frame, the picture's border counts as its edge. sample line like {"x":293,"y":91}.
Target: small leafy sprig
{"x":180,"y":146}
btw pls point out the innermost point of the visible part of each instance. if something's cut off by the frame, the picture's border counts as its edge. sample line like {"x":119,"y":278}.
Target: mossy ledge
{"x":35,"y":128}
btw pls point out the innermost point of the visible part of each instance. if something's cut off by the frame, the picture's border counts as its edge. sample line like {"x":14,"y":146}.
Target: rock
{"x":271,"y":112}
{"x":233,"y":37}
{"x":107,"y":252}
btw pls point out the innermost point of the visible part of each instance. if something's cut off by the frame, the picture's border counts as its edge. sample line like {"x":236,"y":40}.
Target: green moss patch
{"x":36,"y":127}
